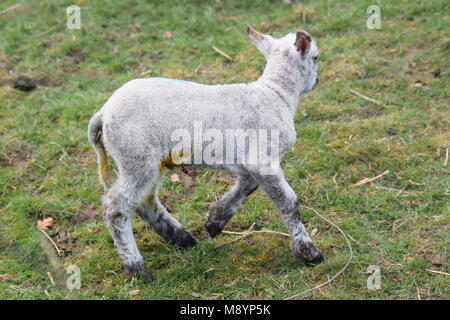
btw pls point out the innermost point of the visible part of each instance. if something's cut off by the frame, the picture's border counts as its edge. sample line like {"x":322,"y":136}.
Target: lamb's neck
{"x":284,"y":78}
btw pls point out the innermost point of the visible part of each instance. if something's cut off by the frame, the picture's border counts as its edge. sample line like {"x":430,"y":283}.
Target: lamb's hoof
{"x":184,"y":239}
{"x":213,"y":228}
{"x":146,"y":275}
{"x":307,"y":252}
{"x":139,"y":271}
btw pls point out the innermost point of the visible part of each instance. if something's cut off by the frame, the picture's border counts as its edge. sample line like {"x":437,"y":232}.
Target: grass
{"x":398,"y":222}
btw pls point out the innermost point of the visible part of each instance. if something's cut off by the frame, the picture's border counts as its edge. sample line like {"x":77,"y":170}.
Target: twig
{"x":53,"y":243}
{"x":446,"y":157}
{"x":416,"y":184}
{"x":358,"y":243}
{"x":418,"y":292}
{"x":258,"y":231}
{"x":5,"y":207}
{"x":222,"y":53}
{"x":395,"y":227}
{"x":340,"y":271}
{"x":365,"y":97}
{"x":439,"y":272}
{"x":367,"y":180}
{"x":246,"y":235}
{"x":334,"y":180}
{"x":11,"y":8}
{"x":50,"y":277}
{"x":399,"y":191}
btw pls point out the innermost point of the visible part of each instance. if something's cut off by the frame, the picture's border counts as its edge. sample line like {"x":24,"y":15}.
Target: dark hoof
{"x":184,"y":239}
{"x":145,"y":275}
{"x":317,"y":259}
{"x":307,"y":252}
{"x":139,"y":271}
{"x":213,"y":228}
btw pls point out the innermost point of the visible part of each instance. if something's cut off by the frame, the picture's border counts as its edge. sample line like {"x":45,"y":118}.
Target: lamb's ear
{"x":303,"y":42}
{"x":262,"y":42}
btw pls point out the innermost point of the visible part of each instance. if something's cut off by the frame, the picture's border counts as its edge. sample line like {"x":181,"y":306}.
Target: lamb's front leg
{"x":276,"y":186}
{"x":224,"y":208}
{"x":154,"y":213}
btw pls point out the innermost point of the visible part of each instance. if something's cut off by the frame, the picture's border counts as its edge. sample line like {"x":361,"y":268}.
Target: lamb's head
{"x":298,"y":49}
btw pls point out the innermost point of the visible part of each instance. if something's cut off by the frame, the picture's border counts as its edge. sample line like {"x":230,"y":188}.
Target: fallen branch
{"x":340,"y":271}
{"x":364,"y":97}
{"x":222,"y":53}
{"x":367,"y":180}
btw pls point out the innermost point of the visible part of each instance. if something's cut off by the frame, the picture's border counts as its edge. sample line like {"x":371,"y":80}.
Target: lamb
{"x":148,"y":124}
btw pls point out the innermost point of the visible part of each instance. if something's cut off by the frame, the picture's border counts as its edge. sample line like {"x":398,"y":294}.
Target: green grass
{"x":399,"y":222}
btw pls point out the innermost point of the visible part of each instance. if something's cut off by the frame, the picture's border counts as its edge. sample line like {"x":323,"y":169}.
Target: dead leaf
{"x":5,"y":278}
{"x":174,"y":178}
{"x":116,"y":50}
{"x":196,"y":294}
{"x":389,"y":51}
{"x":134,"y":292}
{"x":44,"y":224}
{"x":314,"y":232}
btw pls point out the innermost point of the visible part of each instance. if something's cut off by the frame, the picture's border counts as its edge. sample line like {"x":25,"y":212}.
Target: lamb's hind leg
{"x":119,"y":205}
{"x":224,"y":208}
{"x":154,"y":213}
{"x":276,"y":186}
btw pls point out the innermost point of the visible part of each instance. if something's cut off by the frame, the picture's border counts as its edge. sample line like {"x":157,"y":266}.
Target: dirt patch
{"x":435,"y":259}
{"x":188,"y":178}
{"x":49,"y":80}
{"x":4,"y":62}
{"x":17,"y":159}
{"x":6,"y":278}
{"x":85,"y":214}
{"x":368,"y":112}
{"x":64,"y":241}
{"x":167,"y":203}
{"x":70,"y":63}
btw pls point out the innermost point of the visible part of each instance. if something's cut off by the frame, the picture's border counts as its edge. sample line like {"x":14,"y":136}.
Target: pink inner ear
{"x":302,"y":42}
{"x":302,"y":45}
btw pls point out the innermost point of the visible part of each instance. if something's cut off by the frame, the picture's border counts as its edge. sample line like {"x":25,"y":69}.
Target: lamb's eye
{"x":315,"y":59}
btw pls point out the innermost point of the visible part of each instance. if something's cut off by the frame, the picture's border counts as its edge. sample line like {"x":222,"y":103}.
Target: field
{"x":398,"y":222}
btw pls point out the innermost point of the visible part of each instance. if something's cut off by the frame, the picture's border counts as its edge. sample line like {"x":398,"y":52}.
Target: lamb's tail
{"x":95,"y":135}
